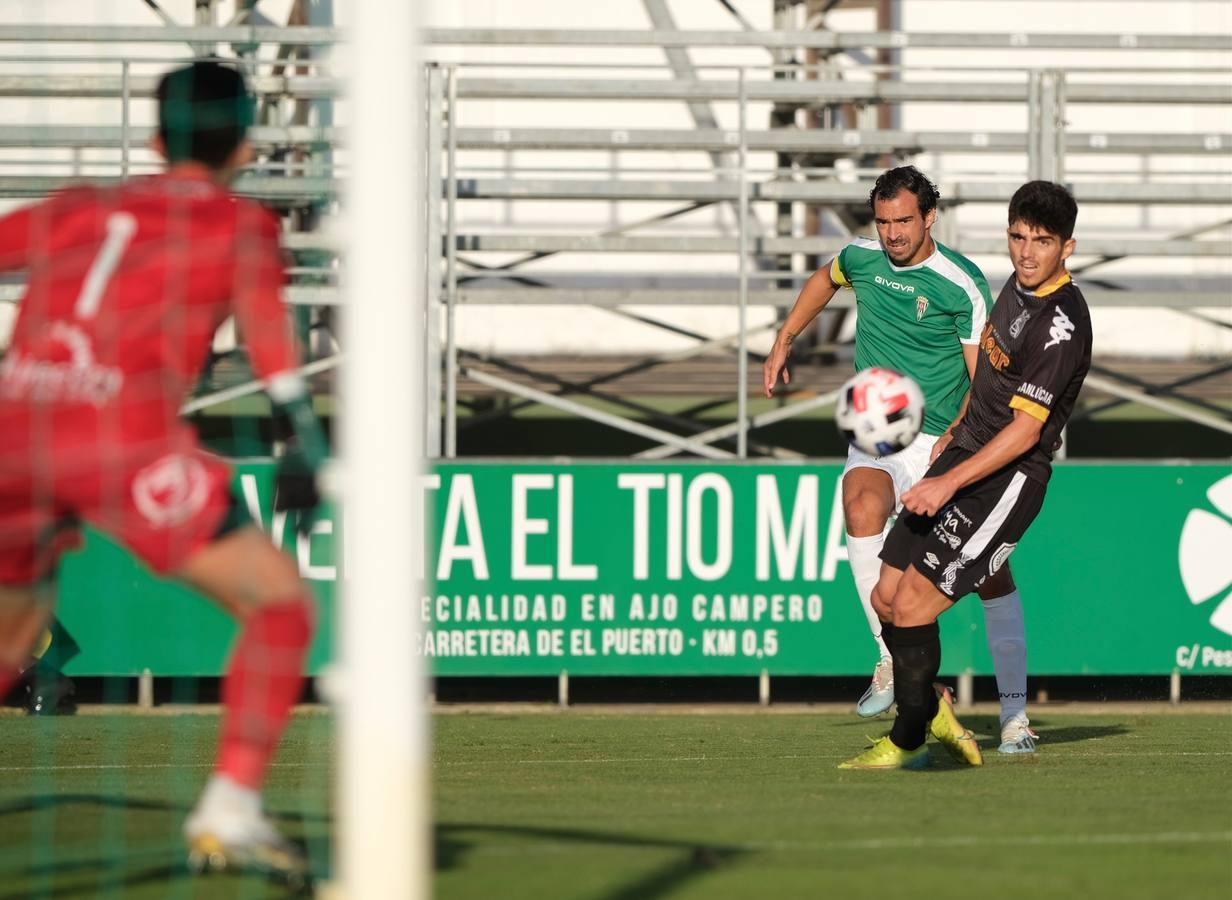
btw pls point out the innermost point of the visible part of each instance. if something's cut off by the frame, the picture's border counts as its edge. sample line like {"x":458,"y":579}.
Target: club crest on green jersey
{"x":921,"y":306}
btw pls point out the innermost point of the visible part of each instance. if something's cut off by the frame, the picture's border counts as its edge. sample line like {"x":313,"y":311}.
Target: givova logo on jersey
{"x":1206,"y":572}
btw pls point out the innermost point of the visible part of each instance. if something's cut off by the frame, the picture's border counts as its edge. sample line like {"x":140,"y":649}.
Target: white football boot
{"x":880,"y":694}
{"x":228,"y":830}
{"x":1017,"y":736}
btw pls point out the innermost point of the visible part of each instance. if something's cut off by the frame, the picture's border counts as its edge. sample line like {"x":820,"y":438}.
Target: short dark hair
{"x":905,"y":178}
{"x":1045,"y":205}
{"x":204,"y":110}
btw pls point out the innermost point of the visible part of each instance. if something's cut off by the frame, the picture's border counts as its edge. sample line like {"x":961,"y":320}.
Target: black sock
{"x":917,"y":659}
{"x":887,"y":635}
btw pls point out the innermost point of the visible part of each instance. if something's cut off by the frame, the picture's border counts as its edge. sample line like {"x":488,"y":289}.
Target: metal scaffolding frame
{"x":254,"y":34}
{"x":458,"y":276}
{"x":1046,"y":145}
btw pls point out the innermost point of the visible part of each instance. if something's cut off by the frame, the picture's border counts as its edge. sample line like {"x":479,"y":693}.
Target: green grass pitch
{"x":650,"y":804}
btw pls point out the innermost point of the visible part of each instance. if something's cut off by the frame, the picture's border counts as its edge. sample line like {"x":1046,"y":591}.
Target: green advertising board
{"x":625,"y":568}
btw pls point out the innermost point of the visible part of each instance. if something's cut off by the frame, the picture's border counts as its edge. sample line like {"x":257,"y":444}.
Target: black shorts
{"x":973,"y":535}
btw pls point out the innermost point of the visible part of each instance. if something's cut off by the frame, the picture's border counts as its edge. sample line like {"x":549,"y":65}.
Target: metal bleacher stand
{"x":744,"y":167}
{"x":760,"y":279}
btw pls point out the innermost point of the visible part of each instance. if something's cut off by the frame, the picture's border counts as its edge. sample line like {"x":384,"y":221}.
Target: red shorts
{"x":163,"y":500}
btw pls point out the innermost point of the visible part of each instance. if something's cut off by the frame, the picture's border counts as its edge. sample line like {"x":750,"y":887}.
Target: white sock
{"x":225,"y":797}
{"x":863,"y":554}
{"x":1007,"y":641}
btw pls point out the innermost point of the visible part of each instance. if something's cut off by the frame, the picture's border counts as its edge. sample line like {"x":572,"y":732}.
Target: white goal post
{"x":383,"y":810}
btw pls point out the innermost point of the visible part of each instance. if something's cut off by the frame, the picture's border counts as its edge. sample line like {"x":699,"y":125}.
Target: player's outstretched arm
{"x":1020,"y":435}
{"x":814,"y":296}
{"x":273,"y":350}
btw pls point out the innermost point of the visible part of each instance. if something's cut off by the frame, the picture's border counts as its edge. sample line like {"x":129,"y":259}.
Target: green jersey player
{"x":921,"y":307}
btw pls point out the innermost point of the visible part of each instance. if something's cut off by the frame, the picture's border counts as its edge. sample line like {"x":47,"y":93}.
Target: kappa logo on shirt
{"x":1061,"y":329}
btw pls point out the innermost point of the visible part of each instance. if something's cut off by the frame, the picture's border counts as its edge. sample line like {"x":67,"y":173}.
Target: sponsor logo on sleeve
{"x":1036,"y":393}
{"x":1061,"y":329}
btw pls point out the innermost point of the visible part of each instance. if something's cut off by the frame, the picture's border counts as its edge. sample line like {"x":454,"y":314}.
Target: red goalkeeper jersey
{"x":125,"y":289}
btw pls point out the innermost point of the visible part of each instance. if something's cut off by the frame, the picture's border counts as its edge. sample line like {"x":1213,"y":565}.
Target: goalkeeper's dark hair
{"x":204,"y":111}
{"x":905,"y":178}
{"x":1045,"y":205}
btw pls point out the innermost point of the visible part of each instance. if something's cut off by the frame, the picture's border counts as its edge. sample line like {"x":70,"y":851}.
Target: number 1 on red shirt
{"x":121,"y":226}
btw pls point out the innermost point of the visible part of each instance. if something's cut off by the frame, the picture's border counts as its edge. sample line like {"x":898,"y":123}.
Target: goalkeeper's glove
{"x":295,"y":479}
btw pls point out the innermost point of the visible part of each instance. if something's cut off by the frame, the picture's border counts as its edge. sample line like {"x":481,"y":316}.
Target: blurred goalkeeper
{"x":125,"y":288}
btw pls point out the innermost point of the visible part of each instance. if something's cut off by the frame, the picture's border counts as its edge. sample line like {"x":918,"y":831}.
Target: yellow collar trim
{"x":1060,"y":281}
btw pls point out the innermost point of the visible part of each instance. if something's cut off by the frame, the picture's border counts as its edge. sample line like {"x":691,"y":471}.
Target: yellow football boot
{"x":959,"y":742}
{"x":884,"y":754}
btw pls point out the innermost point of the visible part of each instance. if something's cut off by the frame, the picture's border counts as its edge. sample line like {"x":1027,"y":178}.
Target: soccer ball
{"x":880,"y":411}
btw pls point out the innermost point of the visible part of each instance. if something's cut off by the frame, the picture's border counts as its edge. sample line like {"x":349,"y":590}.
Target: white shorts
{"x":905,"y":467}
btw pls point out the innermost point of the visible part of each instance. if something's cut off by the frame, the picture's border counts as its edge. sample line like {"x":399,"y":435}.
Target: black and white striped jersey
{"x":1034,"y":353}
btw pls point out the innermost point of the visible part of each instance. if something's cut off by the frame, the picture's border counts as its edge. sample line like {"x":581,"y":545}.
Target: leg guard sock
{"x":864,"y":554}
{"x":887,"y":635}
{"x":262,"y":683}
{"x":1007,"y":641}
{"x":917,"y":658}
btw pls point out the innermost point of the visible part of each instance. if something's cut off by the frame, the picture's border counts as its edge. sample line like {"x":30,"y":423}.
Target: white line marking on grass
{"x":1015,"y":840}
{"x":1059,"y":756}
{"x":634,"y":759}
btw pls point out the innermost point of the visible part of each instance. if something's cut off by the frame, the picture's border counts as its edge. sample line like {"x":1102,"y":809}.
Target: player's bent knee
{"x":883,"y":592}
{"x":881,"y":606}
{"x":916,"y":601}
{"x":868,"y":499}
{"x":865,"y":514}
{"x":273,"y":580}
{"x":244,"y":572}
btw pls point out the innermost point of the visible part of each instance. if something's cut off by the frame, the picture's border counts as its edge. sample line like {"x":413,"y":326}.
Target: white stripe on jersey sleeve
{"x":947,"y":269}
{"x":836,"y":269}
